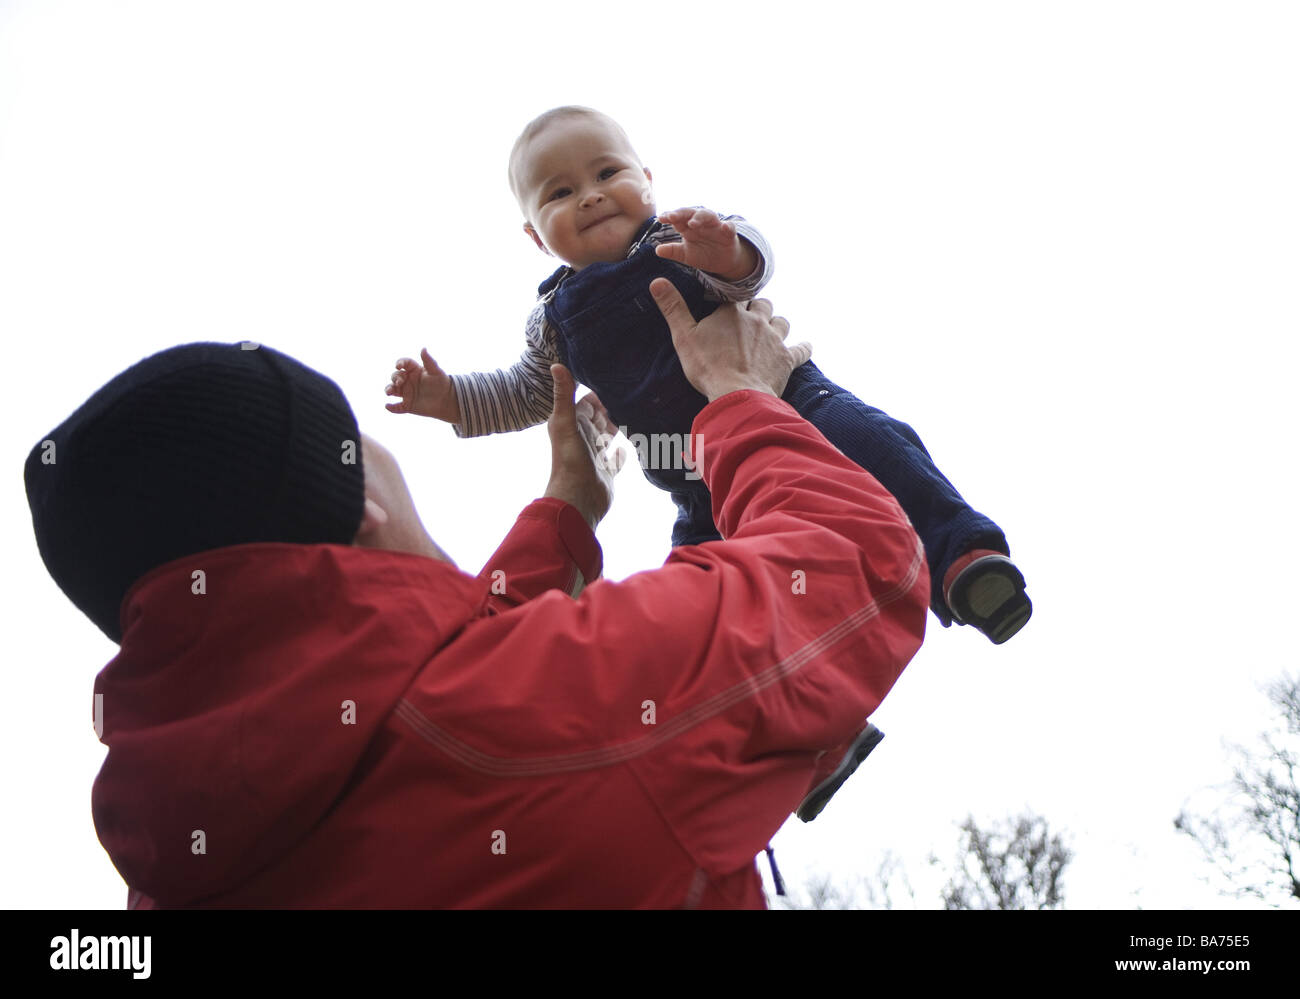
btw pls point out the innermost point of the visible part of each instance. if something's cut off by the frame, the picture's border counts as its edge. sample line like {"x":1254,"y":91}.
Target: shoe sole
{"x":1008,"y":628}
{"x":986,"y":595}
{"x":816,"y":800}
{"x":983,"y":602}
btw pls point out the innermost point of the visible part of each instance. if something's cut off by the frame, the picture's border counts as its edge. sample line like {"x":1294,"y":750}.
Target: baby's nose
{"x":592,"y":198}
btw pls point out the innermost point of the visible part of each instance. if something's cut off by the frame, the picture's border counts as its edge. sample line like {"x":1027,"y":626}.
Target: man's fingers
{"x":600,"y":441}
{"x":610,"y":457}
{"x":781,"y":325}
{"x":673,"y":306}
{"x":599,"y":415}
{"x":587,"y":429}
{"x":800,"y":353}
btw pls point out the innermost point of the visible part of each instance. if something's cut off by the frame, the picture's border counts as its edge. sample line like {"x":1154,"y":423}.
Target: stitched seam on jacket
{"x":699,"y":881}
{"x":499,"y":766}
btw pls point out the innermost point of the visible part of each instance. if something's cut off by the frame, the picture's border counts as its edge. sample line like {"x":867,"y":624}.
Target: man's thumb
{"x":800,"y":353}
{"x":672,"y":305}
{"x":564,"y":389}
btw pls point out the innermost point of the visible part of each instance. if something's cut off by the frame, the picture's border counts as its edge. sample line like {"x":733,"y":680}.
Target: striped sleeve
{"x":513,"y":398}
{"x":746,"y":288}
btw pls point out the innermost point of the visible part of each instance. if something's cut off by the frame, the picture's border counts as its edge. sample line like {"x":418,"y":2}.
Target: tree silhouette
{"x":1016,"y":864}
{"x":822,"y":893}
{"x":888,"y":888}
{"x":1253,"y":837}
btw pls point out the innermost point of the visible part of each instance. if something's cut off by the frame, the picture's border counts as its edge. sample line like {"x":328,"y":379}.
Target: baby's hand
{"x":709,"y":244}
{"x":424,"y":390}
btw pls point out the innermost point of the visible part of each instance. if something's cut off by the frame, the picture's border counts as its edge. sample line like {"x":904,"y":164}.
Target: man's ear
{"x":373,"y":517}
{"x":528,"y":228}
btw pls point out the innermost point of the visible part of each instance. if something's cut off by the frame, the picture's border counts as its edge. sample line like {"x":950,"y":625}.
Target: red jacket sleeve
{"x":820,"y":598}
{"x":719,"y":678}
{"x":550,"y":547}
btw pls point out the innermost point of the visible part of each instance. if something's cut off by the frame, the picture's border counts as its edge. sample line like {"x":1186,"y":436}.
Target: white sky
{"x":1059,"y":239}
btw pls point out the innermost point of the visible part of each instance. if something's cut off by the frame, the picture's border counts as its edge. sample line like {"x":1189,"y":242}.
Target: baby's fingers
{"x":678,"y":217}
{"x":402,"y":405}
{"x":704,"y":219}
{"x":672,"y":251}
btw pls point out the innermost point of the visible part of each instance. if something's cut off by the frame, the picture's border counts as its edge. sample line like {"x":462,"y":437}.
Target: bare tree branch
{"x":1252,"y":840}
{"x":1015,"y":864}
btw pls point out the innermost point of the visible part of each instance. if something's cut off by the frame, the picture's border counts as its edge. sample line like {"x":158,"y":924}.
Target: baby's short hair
{"x":538,"y":124}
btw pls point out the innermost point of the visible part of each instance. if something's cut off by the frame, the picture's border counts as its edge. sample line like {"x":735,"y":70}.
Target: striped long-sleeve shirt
{"x":520,"y":396}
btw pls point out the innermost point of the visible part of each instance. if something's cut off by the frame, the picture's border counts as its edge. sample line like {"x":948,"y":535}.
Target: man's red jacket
{"x":293,"y":725}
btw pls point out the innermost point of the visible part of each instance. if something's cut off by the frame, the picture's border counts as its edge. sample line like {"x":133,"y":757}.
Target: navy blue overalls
{"x":611,"y":335}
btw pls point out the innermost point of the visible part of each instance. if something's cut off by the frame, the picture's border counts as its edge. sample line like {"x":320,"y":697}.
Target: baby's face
{"x":584,"y":191}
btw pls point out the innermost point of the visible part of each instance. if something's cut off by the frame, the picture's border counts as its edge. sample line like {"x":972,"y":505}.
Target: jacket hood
{"x":250,"y":683}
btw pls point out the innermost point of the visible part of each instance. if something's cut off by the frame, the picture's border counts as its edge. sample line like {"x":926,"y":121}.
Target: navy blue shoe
{"x":988,"y":593}
{"x":848,"y":760}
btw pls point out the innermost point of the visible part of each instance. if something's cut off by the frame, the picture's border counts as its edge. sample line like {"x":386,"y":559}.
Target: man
{"x":296,"y":721}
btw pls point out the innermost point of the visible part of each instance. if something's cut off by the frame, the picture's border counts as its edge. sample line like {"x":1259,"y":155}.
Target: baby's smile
{"x":598,"y":221}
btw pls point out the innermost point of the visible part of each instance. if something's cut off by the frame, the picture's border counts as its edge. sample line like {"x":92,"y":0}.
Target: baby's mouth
{"x":599,"y":221}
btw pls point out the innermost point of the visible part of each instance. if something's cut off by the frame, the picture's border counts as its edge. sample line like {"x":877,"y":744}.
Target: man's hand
{"x":582,"y":474}
{"x":426,"y":390}
{"x":740,"y":346}
{"x":708,"y":244}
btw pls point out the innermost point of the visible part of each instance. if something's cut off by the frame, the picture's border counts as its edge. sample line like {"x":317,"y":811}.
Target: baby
{"x":587,"y":200}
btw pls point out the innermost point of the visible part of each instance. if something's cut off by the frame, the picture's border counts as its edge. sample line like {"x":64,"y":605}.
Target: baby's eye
{"x":608,"y":172}
{"x":559,"y":192}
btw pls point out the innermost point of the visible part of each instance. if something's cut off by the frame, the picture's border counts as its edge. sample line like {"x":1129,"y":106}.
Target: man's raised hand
{"x":740,"y":346}
{"x":582,"y":469}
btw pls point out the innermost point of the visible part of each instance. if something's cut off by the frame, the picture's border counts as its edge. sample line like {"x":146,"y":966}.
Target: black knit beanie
{"x":197,"y":447}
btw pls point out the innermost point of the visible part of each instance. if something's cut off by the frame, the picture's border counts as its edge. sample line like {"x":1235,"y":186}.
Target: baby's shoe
{"x":985,"y":590}
{"x":835,"y":767}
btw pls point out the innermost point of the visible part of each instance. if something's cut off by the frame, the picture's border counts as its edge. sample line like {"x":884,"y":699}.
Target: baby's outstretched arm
{"x":424,"y":389}
{"x":483,"y":402}
{"x":708,"y":244}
